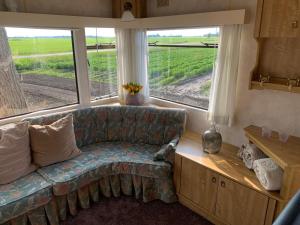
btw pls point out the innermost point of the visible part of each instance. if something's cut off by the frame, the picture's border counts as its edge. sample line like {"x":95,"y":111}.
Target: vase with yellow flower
{"x":133,"y":96}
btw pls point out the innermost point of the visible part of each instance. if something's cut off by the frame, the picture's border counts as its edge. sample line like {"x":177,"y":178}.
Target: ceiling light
{"x":127,"y":14}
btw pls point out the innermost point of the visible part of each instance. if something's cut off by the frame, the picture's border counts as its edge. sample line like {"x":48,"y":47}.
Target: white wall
{"x":278,"y":110}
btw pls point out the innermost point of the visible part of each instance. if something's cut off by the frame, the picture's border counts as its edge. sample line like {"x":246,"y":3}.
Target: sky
{"x":103,"y":32}
{"x":185,"y":32}
{"x":27,"y":32}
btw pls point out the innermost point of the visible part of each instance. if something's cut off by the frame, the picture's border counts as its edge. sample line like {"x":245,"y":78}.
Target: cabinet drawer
{"x":199,"y":184}
{"x":237,"y":204}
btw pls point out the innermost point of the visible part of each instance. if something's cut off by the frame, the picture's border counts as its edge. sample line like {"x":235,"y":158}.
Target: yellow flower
{"x":132,"y":87}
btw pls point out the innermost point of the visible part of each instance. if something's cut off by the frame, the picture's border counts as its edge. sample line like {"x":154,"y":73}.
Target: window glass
{"x":102,"y":61}
{"x":181,"y":62}
{"x":37,"y":70}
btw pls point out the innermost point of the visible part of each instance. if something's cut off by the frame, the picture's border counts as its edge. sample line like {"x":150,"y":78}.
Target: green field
{"x":184,"y":63}
{"x":184,"y":40}
{"x":167,"y":65}
{"x":30,"y":46}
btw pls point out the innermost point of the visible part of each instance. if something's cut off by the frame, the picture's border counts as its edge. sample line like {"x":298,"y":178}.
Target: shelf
{"x":225,"y":163}
{"x":284,"y":154}
{"x":204,"y":19}
{"x":273,"y":86}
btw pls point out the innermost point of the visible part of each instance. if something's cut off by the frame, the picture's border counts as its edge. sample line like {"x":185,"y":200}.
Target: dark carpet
{"x":129,"y":211}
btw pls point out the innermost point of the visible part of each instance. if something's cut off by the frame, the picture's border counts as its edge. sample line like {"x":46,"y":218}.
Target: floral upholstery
{"x":133,"y":124}
{"x":167,"y":151}
{"x":102,"y":160}
{"x":141,"y":187}
{"x":119,"y":145}
{"x":23,"y":195}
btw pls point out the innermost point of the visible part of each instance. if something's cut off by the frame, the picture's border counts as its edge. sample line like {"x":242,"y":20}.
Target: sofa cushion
{"x":128,"y":158}
{"x":15,"y":156}
{"x":135,"y":124}
{"x":23,"y":195}
{"x":53,"y":143}
{"x":105,"y":159}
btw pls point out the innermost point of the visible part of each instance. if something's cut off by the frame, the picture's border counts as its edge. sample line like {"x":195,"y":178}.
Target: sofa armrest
{"x":167,"y":151}
{"x":291,"y":213}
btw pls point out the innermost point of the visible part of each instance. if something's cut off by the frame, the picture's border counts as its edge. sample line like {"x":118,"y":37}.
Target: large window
{"x":37,"y":70}
{"x":181,"y":63}
{"x":102,"y":61}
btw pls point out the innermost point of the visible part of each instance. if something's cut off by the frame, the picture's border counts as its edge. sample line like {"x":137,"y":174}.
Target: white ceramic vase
{"x":136,"y":99}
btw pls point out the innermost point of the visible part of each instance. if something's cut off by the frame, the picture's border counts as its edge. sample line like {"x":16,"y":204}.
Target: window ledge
{"x":170,"y":104}
{"x":63,"y":109}
{"x":18,"y":118}
{"x":105,"y":101}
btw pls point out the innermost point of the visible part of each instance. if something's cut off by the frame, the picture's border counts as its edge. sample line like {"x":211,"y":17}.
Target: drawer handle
{"x":214,"y":180}
{"x":295,"y":24}
{"x":223,"y":184}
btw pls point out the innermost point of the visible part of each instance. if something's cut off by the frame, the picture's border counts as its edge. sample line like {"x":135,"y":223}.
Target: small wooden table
{"x":219,"y":186}
{"x":286,"y":155}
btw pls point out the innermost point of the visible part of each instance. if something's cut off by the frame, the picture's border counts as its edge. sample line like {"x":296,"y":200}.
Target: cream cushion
{"x":15,"y":156}
{"x":53,"y":143}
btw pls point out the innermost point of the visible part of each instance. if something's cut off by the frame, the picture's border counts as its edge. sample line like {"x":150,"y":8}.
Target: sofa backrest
{"x":136,"y":124}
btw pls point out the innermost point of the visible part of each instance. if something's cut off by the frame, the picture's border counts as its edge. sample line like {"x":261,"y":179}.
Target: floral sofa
{"x":123,"y":151}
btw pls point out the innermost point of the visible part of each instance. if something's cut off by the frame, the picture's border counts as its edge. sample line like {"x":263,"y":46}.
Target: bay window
{"x":181,"y":63}
{"x":37,"y":70}
{"x":102,"y":62}
{"x":38,"y":66}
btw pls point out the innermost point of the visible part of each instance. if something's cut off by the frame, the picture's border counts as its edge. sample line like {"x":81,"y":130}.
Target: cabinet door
{"x":198,"y":184}
{"x":280,"y":18}
{"x":237,"y":204}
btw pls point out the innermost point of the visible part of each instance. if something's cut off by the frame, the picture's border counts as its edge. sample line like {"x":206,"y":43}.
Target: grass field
{"x":29,"y":46}
{"x":171,"y":65}
{"x":167,"y":65}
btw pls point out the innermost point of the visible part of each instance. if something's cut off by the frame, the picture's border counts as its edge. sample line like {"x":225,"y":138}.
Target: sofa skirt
{"x":144,"y":188}
{"x":43,"y":215}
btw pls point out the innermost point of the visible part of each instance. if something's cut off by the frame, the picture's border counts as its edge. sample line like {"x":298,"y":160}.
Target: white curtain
{"x":223,"y":89}
{"x":132,"y":48}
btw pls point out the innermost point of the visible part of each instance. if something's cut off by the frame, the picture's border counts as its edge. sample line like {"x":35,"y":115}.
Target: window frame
{"x":82,"y":81}
{"x":104,"y":97}
{"x":164,"y":101}
{"x":7,"y":119}
{"x":81,"y":75}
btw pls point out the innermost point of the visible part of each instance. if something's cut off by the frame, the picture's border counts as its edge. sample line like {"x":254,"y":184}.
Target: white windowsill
{"x":105,"y":101}
{"x":196,"y":119}
{"x":62,"y":109}
{"x":170,"y":104}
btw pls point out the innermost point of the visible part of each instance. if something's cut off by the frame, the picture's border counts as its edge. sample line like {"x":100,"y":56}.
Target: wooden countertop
{"x":284,"y":154}
{"x":225,"y":162}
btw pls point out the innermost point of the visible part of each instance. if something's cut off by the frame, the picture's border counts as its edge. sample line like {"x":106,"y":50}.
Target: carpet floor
{"x":129,"y":211}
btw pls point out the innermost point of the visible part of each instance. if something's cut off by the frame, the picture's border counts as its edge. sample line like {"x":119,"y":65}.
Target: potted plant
{"x":133,"y":97}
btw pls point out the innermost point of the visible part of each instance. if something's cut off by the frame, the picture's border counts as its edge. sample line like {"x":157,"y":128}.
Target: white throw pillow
{"x":15,"y":155}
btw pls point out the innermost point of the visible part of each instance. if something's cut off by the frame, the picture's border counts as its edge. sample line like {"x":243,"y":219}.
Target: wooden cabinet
{"x":199,"y":184}
{"x":277,"y":31}
{"x":279,"y":18}
{"x":286,"y":155}
{"x":227,"y":200}
{"x":219,"y":187}
{"x":237,"y":204}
